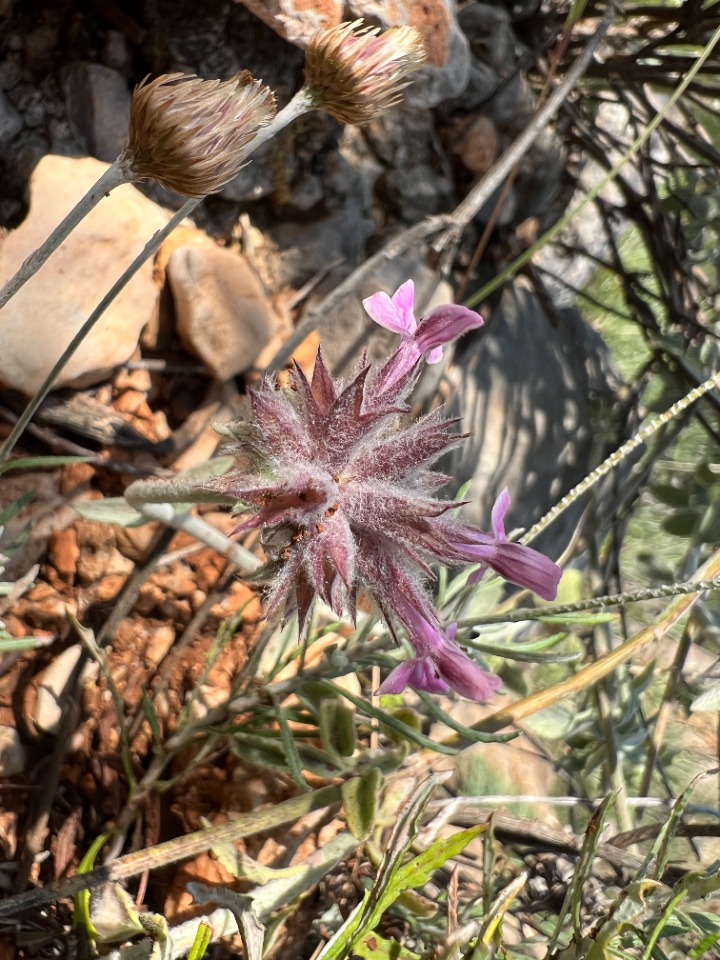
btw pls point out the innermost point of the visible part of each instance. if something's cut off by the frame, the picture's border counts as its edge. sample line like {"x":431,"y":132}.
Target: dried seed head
{"x":192,"y":135}
{"x":355,"y":72}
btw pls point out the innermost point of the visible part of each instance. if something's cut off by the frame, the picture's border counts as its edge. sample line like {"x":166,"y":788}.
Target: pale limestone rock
{"x":52,"y":689}
{"x":297,"y":20}
{"x":97,"y":102}
{"x":222,"y":312}
{"x":12,"y":752}
{"x":159,"y":644}
{"x":42,"y":318}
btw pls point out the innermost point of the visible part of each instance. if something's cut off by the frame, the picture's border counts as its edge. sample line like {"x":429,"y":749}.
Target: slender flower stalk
{"x":113,"y":177}
{"x":189,"y":134}
{"x":342,"y":488}
{"x":193,"y":135}
{"x":151,"y":247}
{"x":355,"y":72}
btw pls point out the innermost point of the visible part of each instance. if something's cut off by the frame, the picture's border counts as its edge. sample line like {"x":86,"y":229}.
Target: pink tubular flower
{"x":514,"y":561}
{"x":419,"y":673}
{"x":440,"y":664}
{"x":424,"y":340}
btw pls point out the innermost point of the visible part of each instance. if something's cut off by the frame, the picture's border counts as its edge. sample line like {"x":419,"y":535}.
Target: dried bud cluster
{"x":354,"y":72}
{"x":192,"y":135}
{"x":341,"y":487}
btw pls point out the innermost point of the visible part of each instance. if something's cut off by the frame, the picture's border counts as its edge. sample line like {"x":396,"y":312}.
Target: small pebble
{"x":12,"y":752}
{"x":52,"y":692}
{"x":159,"y":644}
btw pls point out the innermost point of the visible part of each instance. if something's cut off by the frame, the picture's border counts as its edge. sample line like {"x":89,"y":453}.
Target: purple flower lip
{"x":419,"y":673}
{"x":423,"y":340}
{"x":440,"y":664}
{"x":443,"y":325}
{"x":515,"y":562}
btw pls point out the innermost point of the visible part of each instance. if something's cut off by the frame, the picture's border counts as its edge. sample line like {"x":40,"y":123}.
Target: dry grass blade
{"x":585,"y":678}
{"x":174,"y":851}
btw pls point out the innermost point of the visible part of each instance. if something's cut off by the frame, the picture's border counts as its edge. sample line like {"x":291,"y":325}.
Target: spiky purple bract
{"x":342,"y":487}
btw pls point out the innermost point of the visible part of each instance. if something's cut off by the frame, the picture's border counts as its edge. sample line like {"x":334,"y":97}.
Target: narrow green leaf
{"x":81,"y":901}
{"x":682,"y":523}
{"x":113,"y":510}
{"x":529,"y":646}
{"x":575,"y":12}
{"x":703,"y":948}
{"x":584,"y":619}
{"x":263,"y":751}
{"x":367,"y":915}
{"x":522,"y":656}
{"x":628,"y":911}
{"x":243,"y":867}
{"x":417,"y":904}
{"x":709,"y":530}
{"x":418,"y":871}
{"x":288,"y":741}
{"x":662,"y":923}
{"x":369,"y":710}
{"x":661,"y":847}
{"x":490,"y":937}
{"x":374,"y":947}
{"x":360,"y":800}
{"x":10,"y":644}
{"x":34,"y":463}
{"x":473,"y":736}
{"x":340,"y":944}
{"x":148,"y":709}
{"x":573,"y":897}
{"x":671,"y":495}
{"x":282,"y":891}
{"x":337,"y":727}
{"x":489,"y":851}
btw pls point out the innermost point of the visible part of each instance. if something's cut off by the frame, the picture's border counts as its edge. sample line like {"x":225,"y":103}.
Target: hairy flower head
{"x":341,"y":483}
{"x":354,"y":72}
{"x":193,"y":135}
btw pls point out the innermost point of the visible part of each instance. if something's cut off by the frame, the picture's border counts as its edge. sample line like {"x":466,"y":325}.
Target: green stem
{"x":547,"y":613}
{"x":113,"y":177}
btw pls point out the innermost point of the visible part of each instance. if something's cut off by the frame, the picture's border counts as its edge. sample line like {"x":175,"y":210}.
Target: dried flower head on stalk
{"x":354,"y":72}
{"x":341,"y":486}
{"x":193,"y":135}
